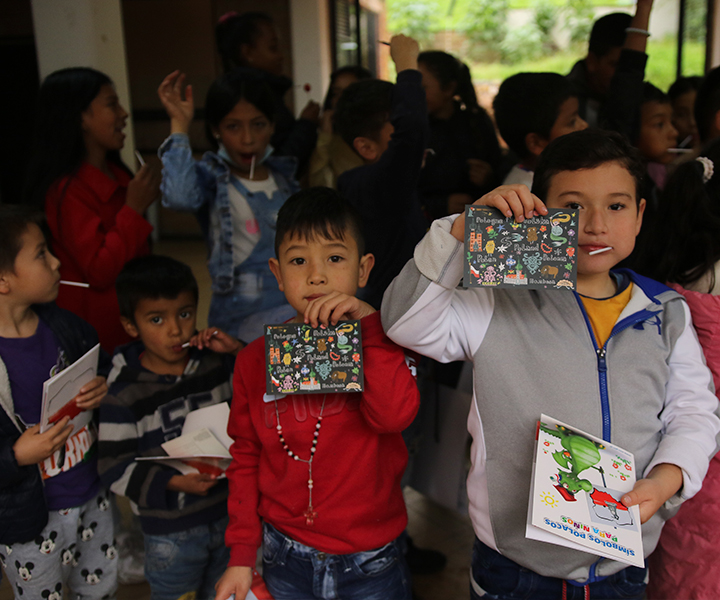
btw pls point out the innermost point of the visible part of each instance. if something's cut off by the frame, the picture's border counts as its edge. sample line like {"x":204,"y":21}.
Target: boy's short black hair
{"x":587,"y":149}
{"x":318,"y":211}
{"x":152,"y":277}
{"x":363,"y":110}
{"x":608,"y":32}
{"x":529,"y":103}
{"x":707,"y":104}
{"x":683,"y":85}
{"x":652,"y":93}
{"x":14,"y":222}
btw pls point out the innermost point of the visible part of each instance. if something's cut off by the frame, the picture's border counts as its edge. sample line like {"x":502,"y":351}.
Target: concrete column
{"x":85,"y":33}
{"x":312,"y":58}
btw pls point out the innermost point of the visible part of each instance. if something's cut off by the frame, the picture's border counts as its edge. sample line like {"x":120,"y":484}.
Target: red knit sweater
{"x":94,"y":233}
{"x":357,"y":468}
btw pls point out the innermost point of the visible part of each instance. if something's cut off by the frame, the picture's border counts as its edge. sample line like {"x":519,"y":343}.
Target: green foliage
{"x":545,"y":16}
{"x":695,"y":16}
{"x":522,"y":44}
{"x":414,"y":18}
{"x":660,"y":67}
{"x":486,"y":27}
{"x":579,"y":17}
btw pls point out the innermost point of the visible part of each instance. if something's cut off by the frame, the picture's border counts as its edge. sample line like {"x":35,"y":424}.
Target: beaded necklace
{"x":310,"y":514}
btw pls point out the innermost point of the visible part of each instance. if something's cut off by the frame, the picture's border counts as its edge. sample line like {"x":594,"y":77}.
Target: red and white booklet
{"x":60,"y":390}
{"x":203,"y":447}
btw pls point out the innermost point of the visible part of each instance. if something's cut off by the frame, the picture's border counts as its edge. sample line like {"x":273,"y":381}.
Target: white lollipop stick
{"x":605,"y":249}
{"x":75,"y":283}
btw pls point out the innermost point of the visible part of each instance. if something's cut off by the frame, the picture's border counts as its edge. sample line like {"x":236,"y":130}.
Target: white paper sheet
{"x":59,"y":390}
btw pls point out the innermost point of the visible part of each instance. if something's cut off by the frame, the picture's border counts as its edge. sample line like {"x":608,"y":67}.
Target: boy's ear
{"x":366,"y":148}
{"x":274,"y":265}
{"x":535,"y":143}
{"x":4,"y":283}
{"x":367,"y":262}
{"x":641,"y":210}
{"x":129,"y":327}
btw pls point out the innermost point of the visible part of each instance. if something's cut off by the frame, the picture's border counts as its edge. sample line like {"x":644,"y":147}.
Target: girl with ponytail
{"x":465,"y":159}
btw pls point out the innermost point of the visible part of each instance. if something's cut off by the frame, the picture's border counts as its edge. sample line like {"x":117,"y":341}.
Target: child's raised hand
{"x":216,"y":340}
{"x":192,"y":483}
{"x":404,"y":51}
{"x":92,"y":393}
{"x":144,"y":188}
{"x":235,"y":580}
{"x":180,"y":111}
{"x":512,"y":200}
{"x":334,"y":307}
{"x":661,"y":484}
{"x":33,"y":447}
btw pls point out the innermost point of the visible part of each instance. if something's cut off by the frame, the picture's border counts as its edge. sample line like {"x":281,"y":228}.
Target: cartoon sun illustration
{"x":548,"y":500}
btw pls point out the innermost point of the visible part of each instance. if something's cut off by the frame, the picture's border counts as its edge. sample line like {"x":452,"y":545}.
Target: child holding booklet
{"x":619,"y":360}
{"x":55,"y":526}
{"x":317,"y":476}
{"x":169,"y":371}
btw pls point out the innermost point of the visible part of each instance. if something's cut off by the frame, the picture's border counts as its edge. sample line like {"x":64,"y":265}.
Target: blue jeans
{"x":502,"y":579}
{"x":186,"y":561}
{"x":293,"y":571}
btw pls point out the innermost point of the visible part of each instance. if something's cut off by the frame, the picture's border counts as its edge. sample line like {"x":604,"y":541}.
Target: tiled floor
{"x":430,"y":525}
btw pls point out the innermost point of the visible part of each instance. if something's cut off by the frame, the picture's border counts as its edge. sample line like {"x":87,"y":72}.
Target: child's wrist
{"x":177,"y":126}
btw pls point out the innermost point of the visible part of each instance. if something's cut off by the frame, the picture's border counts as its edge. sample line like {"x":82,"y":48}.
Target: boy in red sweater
{"x":318,"y":475}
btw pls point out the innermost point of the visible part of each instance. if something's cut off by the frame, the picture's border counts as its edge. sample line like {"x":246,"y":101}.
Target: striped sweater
{"x":142,"y":411}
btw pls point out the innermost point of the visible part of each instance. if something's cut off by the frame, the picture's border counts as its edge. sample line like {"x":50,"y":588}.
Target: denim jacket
{"x":201,"y":187}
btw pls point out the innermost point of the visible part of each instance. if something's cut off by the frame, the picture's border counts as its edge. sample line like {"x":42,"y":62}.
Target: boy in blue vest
{"x":618,"y":359}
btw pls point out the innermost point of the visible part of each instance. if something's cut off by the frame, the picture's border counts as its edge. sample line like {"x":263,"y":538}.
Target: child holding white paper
{"x":619,"y":360}
{"x":55,"y":526}
{"x":156,"y":381}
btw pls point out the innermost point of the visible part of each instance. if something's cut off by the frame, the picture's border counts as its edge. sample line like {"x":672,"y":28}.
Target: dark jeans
{"x":293,"y":571}
{"x":495,"y":577}
{"x":186,"y":561}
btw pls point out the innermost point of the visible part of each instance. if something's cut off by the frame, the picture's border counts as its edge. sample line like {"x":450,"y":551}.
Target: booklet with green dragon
{"x":576,"y":491}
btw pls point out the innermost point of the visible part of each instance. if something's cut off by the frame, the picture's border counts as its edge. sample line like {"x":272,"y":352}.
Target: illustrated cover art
{"x":539,"y":253}
{"x":302,"y":359}
{"x":575,"y":498}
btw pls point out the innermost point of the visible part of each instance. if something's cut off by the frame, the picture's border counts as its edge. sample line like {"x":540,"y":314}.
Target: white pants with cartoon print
{"x":75,"y":548}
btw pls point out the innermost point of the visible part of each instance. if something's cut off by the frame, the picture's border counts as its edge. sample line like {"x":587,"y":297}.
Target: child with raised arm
{"x":618,"y":359}
{"x":387,"y":126}
{"x":235,"y":193}
{"x":336,"y":533}
{"x":55,"y":526}
{"x":169,"y":371}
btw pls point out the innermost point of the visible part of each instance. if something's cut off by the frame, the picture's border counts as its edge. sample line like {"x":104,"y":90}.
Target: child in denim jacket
{"x":235,"y":192}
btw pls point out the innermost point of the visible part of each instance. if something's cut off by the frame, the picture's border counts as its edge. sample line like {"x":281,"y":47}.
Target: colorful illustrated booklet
{"x":539,"y":253}
{"x":578,"y":481}
{"x":301,"y":359}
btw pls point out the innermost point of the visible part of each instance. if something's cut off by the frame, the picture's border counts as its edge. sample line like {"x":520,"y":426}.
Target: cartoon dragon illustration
{"x":578,"y":454}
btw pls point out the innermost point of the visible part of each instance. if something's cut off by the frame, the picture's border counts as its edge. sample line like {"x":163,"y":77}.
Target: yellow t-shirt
{"x":604,"y":312}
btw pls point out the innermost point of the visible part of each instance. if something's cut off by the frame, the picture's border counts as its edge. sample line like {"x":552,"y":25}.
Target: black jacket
{"x":385,"y":193}
{"x":23,"y":510}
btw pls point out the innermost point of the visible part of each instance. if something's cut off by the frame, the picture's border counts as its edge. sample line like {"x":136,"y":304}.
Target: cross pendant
{"x":309,"y":515}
